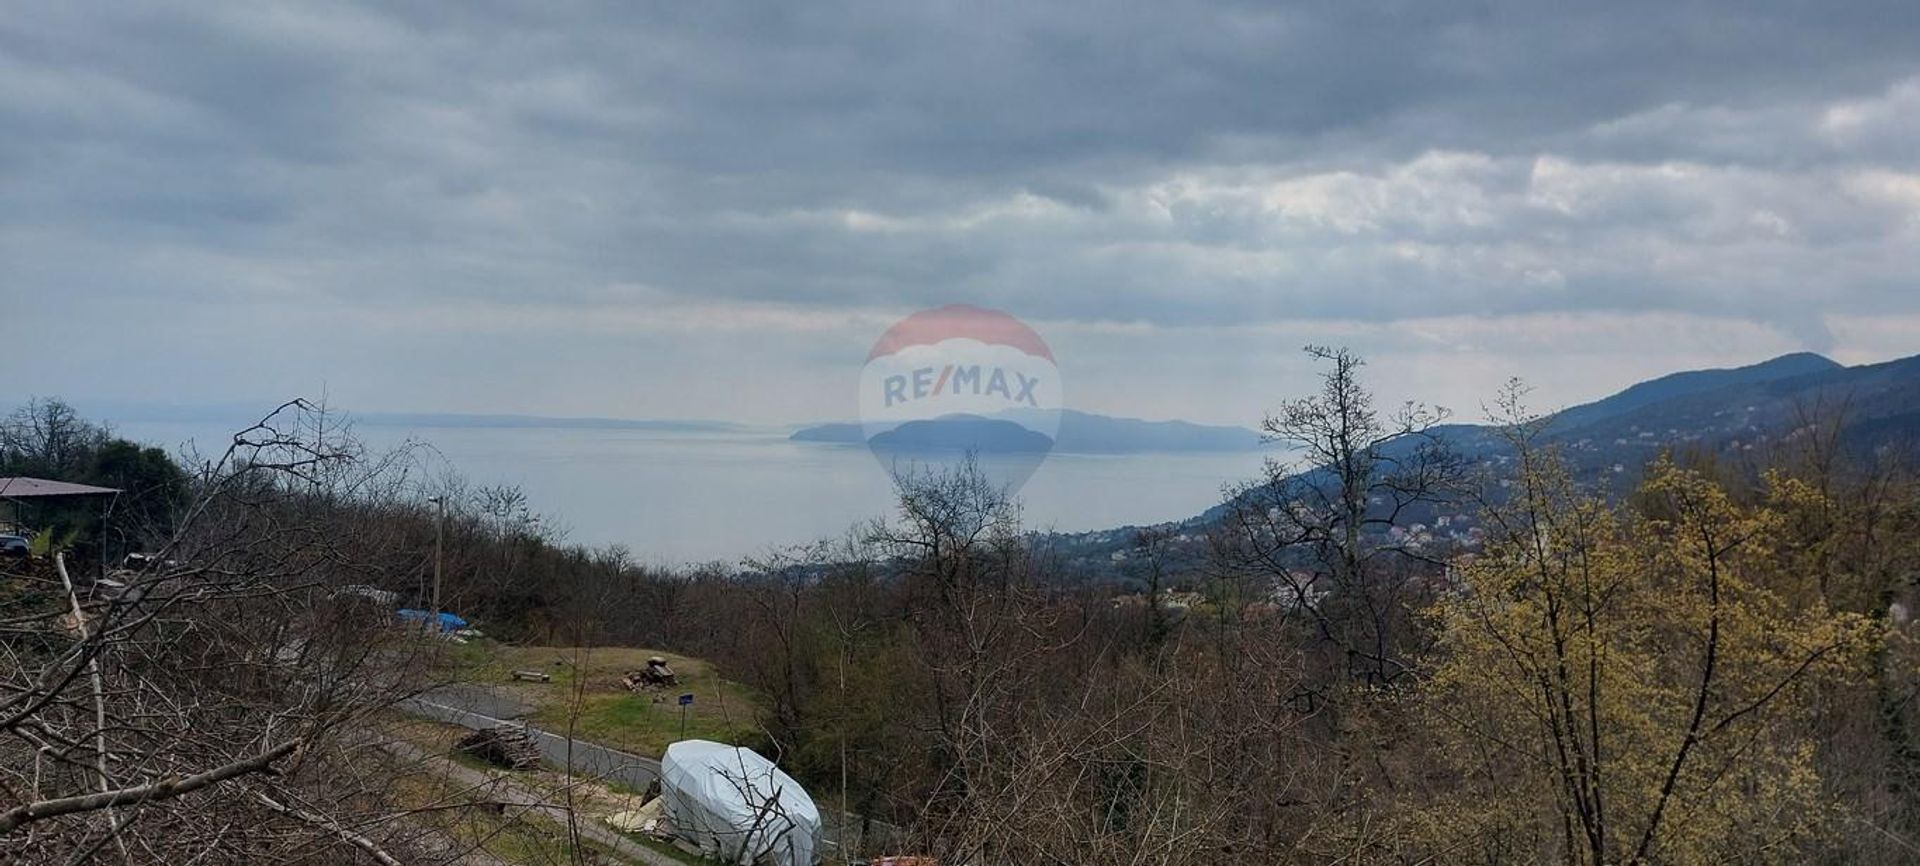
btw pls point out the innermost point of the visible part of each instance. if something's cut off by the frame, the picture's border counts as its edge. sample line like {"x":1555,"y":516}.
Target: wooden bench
{"x":533,"y":676}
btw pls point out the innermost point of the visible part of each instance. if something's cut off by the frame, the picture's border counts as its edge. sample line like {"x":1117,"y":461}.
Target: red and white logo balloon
{"x":958,"y":381}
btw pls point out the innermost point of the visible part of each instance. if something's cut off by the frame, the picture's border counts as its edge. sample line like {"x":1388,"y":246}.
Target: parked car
{"x":13,"y":546}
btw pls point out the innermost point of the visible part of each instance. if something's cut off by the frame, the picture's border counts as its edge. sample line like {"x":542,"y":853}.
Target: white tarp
{"x":736,"y":806}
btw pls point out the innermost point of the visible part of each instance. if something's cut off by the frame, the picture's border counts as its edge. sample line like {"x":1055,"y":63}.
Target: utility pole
{"x":439,"y":554}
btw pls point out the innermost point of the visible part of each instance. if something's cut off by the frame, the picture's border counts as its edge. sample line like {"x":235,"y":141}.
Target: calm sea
{"x":675,"y":497}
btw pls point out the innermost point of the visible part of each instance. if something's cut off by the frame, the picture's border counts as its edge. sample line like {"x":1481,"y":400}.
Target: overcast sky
{"x":711,"y":210}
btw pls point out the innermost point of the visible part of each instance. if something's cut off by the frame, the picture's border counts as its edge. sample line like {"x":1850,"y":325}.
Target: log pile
{"x":655,"y":676}
{"x":504,"y":746}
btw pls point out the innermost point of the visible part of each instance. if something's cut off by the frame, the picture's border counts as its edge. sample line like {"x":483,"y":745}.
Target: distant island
{"x":1080,"y":433}
{"x":963,"y":433}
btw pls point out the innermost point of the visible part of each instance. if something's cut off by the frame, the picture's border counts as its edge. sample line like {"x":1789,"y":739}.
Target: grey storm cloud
{"x":1185,"y":165}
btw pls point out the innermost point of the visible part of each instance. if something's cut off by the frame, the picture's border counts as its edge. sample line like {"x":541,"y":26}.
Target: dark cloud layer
{"x":432,"y":170}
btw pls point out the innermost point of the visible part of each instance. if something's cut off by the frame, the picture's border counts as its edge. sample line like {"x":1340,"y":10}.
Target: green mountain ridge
{"x":1728,"y":413}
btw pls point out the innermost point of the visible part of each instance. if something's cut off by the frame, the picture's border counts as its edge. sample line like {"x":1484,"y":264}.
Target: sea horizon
{"x":689,"y":496}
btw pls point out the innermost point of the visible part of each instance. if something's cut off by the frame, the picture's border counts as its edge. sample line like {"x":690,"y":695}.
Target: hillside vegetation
{"x":1530,"y":644}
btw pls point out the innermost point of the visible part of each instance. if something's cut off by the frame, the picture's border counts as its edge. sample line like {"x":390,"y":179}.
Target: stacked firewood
{"x":506,"y":746}
{"x":655,"y":676}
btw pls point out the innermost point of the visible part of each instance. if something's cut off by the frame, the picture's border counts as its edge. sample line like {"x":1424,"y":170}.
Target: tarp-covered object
{"x":448,"y":621}
{"x":736,"y":806}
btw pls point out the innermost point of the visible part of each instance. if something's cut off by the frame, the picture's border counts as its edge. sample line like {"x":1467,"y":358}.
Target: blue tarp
{"x":448,"y":622}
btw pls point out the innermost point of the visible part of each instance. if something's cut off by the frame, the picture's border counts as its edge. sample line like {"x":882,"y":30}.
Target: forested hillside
{"x":1703,"y":655}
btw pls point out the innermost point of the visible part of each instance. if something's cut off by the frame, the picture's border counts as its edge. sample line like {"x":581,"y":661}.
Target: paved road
{"x":471,"y":706}
{"x":481,"y":698}
{"x":525,"y":799}
{"x":586,"y":759}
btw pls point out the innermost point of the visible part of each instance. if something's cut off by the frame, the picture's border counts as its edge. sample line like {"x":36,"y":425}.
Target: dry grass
{"x":520,"y":836}
{"x":587,"y":697}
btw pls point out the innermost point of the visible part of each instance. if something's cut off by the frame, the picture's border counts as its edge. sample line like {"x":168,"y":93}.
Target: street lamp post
{"x":439,"y":554}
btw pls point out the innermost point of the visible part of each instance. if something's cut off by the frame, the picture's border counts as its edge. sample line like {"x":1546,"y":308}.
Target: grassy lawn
{"x":586,"y":694}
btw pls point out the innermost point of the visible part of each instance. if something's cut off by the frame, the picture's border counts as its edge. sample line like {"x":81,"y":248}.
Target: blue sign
{"x":686,"y":700}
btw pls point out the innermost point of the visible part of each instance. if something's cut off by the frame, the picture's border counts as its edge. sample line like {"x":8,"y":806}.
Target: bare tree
{"x":218,"y":703}
{"x":47,"y":437}
{"x":1320,"y":527}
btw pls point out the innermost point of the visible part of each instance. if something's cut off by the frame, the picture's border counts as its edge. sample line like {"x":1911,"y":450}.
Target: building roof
{"x":21,"y":487}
